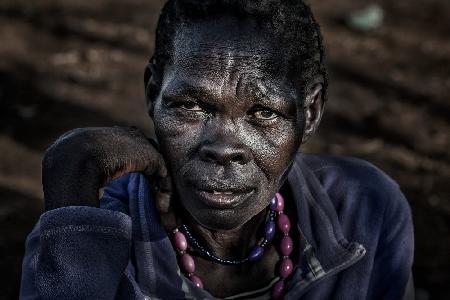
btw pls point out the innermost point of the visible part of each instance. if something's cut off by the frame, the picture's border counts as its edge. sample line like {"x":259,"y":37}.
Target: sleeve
{"x":391,"y":276}
{"x":79,"y":252}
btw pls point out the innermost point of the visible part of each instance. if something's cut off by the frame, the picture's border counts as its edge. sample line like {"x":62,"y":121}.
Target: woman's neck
{"x":229,"y":244}
{"x":222,"y":280}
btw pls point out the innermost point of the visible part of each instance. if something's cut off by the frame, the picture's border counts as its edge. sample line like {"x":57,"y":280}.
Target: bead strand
{"x":254,"y":254}
{"x":186,"y":261}
{"x":277,"y":219}
{"x":286,"y":246}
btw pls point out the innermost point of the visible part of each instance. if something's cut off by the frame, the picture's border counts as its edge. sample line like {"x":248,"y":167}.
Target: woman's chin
{"x":224,"y":219}
{"x":219,"y":220}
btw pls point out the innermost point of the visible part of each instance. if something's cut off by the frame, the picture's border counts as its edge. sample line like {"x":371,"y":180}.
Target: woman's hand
{"x":84,"y":160}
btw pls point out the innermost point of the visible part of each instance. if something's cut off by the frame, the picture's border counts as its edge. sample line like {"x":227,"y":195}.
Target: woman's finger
{"x":163,"y":202}
{"x":163,"y":195}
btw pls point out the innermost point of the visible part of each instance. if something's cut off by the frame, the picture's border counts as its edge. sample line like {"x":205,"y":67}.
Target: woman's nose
{"x":224,"y":153}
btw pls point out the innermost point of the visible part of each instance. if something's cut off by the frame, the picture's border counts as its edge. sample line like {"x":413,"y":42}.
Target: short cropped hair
{"x":291,"y":20}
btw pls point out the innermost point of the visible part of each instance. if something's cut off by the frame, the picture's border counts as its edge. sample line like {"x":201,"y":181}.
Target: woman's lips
{"x":223,"y":199}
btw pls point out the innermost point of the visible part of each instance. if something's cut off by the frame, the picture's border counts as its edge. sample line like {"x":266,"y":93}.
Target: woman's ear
{"x":152,"y":86}
{"x":313,"y":110}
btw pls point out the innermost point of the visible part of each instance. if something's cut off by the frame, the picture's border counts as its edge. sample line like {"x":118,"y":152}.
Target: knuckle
{"x":72,"y":148}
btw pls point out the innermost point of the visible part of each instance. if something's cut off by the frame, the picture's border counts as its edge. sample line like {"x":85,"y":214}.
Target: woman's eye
{"x":265,"y":114}
{"x":191,"y":106}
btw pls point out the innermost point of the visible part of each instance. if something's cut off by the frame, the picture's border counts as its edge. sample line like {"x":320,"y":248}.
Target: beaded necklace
{"x":183,"y":242}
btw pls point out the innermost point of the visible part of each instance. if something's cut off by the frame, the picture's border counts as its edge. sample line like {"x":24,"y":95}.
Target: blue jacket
{"x":355,"y":226}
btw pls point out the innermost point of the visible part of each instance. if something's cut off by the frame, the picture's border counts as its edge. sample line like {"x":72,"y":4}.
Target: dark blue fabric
{"x":365,"y":206}
{"x":355,"y":225}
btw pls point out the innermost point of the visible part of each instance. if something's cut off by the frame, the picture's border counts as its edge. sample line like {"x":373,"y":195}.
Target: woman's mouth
{"x":223,"y":199}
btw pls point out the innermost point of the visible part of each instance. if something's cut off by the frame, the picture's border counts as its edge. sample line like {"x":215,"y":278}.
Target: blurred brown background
{"x":67,"y":63}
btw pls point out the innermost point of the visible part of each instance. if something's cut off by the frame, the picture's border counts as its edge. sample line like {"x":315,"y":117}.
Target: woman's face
{"x":228,"y":121}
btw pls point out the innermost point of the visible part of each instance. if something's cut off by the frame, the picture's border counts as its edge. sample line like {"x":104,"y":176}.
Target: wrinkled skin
{"x":228,"y":119}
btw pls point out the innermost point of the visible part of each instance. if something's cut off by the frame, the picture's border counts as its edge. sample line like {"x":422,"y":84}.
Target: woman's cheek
{"x":276,"y":140}
{"x":176,"y":137}
{"x":172,"y":123}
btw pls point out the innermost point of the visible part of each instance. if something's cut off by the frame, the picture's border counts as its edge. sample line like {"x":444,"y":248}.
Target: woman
{"x":222,"y":205}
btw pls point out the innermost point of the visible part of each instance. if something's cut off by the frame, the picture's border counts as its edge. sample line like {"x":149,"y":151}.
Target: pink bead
{"x":283,"y":223}
{"x":187,"y":262}
{"x":286,"y":267}
{"x":179,"y":241}
{"x":197,"y":281}
{"x":286,"y":245}
{"x":280,"y":202}
{"x":278,"y":290}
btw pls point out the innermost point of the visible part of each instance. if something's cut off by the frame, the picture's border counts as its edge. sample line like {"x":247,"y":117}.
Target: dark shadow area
{"x":432,"y":256}
{"x":18,"y":214}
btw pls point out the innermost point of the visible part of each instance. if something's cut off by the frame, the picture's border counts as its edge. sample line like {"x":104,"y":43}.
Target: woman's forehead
{"x":227,"y":44}
{"x":227,"y":61}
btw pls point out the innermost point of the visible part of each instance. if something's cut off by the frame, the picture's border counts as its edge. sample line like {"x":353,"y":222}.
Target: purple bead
{"x":283,"y":223}
{"x":280,"y":202}
{"x":277,"y":203}
{"x":278,"y":290}
{"x":256,"y":253}
{"x":286,"y":267}
{"x":273,"y":203}
{"x":187,"y":262}
{"x":179,"y":241}
{"x":269,"y":230}
{"x":197,"y":281}
{"x":286,"y":245}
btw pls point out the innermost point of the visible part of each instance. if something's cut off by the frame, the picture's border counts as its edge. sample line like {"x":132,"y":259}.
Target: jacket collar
{"x":324,"y":249}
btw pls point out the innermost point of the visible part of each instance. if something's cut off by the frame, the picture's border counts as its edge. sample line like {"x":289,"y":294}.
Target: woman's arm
{"x":77,"y":250}
{"x":76,"y":253}
{"x":84,"y":160}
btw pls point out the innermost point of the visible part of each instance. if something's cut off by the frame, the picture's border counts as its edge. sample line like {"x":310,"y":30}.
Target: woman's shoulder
{"x":358,"y":188}
{"x":353,"y":171}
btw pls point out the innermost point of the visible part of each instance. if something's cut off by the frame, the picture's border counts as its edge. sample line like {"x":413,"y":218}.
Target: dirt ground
{"x":67,"y":64}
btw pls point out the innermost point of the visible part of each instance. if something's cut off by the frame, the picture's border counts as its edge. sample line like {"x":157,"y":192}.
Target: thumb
{"x":164,"y":203}
{"x":163,"y":195}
